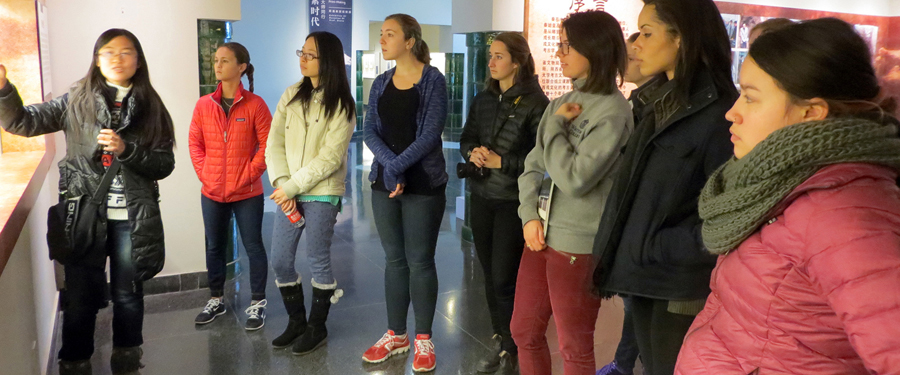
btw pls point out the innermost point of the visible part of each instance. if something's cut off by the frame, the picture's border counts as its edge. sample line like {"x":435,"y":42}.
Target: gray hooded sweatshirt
{"x":580,"y":157}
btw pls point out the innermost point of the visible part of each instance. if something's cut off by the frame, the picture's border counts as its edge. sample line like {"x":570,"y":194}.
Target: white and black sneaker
{"x":257,"y":315}
{"x":214,"y":307}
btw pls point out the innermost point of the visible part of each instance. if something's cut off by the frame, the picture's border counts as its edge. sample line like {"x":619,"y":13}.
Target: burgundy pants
{"x":555,"y":283}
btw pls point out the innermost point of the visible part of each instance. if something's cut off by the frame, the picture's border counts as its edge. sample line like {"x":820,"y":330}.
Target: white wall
{"x":167,"y":30}
{"x":488,"y":15}
{"x":18,"y":334}
{"x":472,"y":16}
{"x":509,"y":15}
{"x":273,"y":31}
{"x":866,"y":7}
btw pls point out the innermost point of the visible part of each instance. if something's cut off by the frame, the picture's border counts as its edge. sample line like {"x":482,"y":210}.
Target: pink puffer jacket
{"x":814,"y":291}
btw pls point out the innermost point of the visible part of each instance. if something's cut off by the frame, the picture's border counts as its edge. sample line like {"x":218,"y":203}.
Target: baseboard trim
{"x":176,"y":283}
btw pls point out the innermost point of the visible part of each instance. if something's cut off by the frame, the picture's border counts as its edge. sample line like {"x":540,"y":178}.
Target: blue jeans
{"x":248,"y":215}
{"x":627,"y":352}
{"x":85,"y":294}
{"x":408,"y":226}
{"x":320,"y":219}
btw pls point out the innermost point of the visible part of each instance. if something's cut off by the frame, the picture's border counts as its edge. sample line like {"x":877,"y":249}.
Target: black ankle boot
{"x":316,"y":332}
{"x":293,"y":303}
{"x":75,"y":367}
{"x":126,"y":361}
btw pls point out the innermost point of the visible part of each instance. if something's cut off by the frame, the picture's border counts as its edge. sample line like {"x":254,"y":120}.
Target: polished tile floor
{"x":462,"y":329}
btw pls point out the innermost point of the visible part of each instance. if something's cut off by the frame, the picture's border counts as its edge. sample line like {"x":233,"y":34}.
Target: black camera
{"x":470,"y":170}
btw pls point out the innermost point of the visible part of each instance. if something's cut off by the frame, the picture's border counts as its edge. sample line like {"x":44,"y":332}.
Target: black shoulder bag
{"x":76,"y":225}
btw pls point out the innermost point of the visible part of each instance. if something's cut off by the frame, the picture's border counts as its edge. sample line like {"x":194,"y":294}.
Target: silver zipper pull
{"x":572,"y":260}
{"x":226,"y":136}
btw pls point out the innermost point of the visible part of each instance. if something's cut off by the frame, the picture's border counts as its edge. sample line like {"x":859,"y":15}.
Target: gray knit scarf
{"x":741,"y":195}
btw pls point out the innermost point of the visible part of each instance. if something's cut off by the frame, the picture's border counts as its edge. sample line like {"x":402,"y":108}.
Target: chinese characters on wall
{"x":542,"y":31}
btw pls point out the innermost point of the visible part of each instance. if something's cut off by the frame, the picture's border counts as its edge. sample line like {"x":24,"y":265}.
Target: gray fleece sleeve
{"x":576,"y":171}
{"x":530,"y":180}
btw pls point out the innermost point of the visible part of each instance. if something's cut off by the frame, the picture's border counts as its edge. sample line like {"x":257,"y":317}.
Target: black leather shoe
{"x":491,"y":362}
{"x":509,"y":364}
{"x":126,"y":361}
{"x":75,"y":367}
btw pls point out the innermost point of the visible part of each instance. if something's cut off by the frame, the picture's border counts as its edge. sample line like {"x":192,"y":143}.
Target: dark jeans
{"x":659,"y":334}
{"x":408,"y":226}
{"x":627,"y":352}
{"x":248,"y":214}
{"x":497,"y":232}
{"x":85,"y":294}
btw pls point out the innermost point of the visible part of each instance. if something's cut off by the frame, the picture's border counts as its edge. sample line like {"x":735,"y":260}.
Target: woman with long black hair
{"x":648,"y":244}
{"x":307,"y":159}
{"x":499,"y":133}
{"x":228,"y":144}
{"x":113,"y":119}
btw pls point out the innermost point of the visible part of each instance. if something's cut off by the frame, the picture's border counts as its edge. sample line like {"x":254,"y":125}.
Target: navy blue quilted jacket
{"x":427,"y":148}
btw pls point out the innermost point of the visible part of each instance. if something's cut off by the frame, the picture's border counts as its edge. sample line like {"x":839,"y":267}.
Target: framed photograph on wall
{"x":732,"y":23}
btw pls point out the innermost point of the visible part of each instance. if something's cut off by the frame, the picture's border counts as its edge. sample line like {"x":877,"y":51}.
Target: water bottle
{"x":296,"y":218}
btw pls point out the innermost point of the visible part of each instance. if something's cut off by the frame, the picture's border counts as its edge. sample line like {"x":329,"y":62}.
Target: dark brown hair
{"x":519,"y":53}
{"x":412,"y":29}
{"x":597,"y":36}
{"x":823,"y":58}
{"x":771,"y":24}
{"x":243,"y":57}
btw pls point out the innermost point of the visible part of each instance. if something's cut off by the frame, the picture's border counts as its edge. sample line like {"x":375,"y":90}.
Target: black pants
{"x":248,"y":215}
{"x":659,"y":334}
{"x":627,"y":352}
{"x":408,"y":226}
{"x":497,"y":232}
{"x":85,"y":294}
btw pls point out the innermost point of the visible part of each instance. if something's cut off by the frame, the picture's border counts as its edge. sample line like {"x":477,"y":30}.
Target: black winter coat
{"x":492,"y":110}
{"x":648,"y":243}
{"x":81,"y":169}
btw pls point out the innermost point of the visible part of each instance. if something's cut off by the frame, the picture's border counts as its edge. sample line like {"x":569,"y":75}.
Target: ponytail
{"x":421,"y":52}
{"x":249,"y":73}
{"x":243,"y":57}
{"x":412,"y":29}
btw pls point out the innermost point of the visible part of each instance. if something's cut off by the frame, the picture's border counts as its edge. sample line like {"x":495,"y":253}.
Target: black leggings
{"x":497,"y":232}
{"x":659,"y":334}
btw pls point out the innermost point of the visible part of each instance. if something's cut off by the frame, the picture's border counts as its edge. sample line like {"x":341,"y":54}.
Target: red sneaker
{"x":424,"y":359}
{"x":388,"y":345}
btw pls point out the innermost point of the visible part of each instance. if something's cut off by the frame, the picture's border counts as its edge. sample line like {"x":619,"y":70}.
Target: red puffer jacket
{"x":229,"y":153}
{"x":814,"y":291}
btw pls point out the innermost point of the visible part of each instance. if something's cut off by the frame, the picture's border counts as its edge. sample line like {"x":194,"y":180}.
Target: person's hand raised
{"x":2,"y":76}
